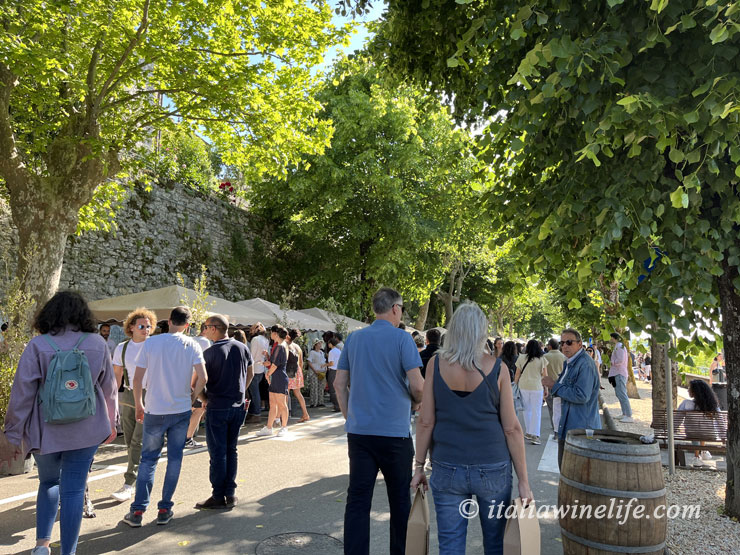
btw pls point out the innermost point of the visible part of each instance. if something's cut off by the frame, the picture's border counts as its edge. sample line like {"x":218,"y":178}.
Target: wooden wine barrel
{"x":609,"y":470}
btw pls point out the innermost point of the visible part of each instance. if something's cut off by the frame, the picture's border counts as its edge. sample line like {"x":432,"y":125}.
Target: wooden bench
{"x":692,"y":425}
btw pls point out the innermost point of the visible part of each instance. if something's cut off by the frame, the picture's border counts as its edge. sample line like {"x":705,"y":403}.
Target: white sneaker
{"x":264,"y":432}
{"x":41,"y":550}
{"x":282,"y":432}
{"x":706,"y":455}
{"x":123,"y":494}
{"x":626,"y":419}
{"x":696,"y":461}
{"x":277,"y":422}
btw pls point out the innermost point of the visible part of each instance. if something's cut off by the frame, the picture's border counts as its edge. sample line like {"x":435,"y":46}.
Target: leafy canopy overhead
{"x":612,"y":128}
{"x":108,"y":73}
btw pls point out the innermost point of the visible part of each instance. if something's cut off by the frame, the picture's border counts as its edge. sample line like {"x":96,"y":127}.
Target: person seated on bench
{"x":702,"y":399}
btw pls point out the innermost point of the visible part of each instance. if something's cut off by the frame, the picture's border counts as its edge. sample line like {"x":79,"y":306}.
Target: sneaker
{"x":231,"y":501}
{"x":88,"y":510}
{"x":133,"y":518}
{"x":190,"y":443}
{"x":123,"y":494}
{"x":626,"y":420}
{"x":164,"y":516}
{"x":265,"y":431}
{"x":706,"y":455}
{"x":696,"y":461}
{"x":528,"y":436}
{"x":277,"y":422}
{"x":211,"y":503}
{"x":535,"y":440}
{"x":282,"y":432}
{"x":41,"y":550}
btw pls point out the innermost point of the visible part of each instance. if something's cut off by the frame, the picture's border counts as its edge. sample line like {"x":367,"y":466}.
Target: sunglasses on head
{"x":143,"y":327}
{"x":568,"y":342}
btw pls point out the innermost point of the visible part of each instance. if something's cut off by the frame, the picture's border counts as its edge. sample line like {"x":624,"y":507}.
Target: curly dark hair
{"x":65,"y":309}
{"x":704,"y":397}
{"x":533,"y":349}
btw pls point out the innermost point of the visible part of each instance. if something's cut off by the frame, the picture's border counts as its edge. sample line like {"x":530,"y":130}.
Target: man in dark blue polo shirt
{"x":229,"y":365}
{"x":382,"y":364}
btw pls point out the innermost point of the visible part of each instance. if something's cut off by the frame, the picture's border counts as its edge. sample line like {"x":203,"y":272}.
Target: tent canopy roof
{"x":294,"y":318}
{"x":334,"y":317}
{"x":162,"y":301}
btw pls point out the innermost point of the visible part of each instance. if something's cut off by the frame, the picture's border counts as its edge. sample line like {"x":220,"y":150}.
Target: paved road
{"x":292,"y":484}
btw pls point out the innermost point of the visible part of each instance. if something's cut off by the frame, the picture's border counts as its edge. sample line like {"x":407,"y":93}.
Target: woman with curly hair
{"x":63,"y":451}
{"x":702,"y":399}
{"x":138,"y":326}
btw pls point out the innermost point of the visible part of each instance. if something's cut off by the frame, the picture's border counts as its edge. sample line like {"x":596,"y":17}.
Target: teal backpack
{"x":68,"y":394}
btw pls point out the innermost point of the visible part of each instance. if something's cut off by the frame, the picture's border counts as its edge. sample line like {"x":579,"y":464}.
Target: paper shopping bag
{"x":417,"y":534}
{"x":522,"y":534}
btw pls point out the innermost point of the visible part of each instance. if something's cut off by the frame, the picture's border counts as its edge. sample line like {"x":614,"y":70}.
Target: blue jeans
{"x":62,"y":474}
{"x":452,"y":484}
{"x":156,"y":426}
{"x":254,"y":395}
{"x":222,"y":433}
{"x":621,"y":391}
{"x":368,"y":454}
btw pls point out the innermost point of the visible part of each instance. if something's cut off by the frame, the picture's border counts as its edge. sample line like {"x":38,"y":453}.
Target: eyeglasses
{"x":403,"y":308}
{"x":143,"y":327}
{"x":569,"y":342}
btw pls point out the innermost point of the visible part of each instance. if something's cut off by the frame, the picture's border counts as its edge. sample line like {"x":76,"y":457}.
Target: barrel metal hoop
{"x":616,"y":448}
{"x":613,"y":548}
{"x":610,"y":457}
{"x":613,"y":492}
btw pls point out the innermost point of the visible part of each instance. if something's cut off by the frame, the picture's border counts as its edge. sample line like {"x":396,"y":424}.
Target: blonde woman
{"x":138,"y":326}
{"x":472,"y":431}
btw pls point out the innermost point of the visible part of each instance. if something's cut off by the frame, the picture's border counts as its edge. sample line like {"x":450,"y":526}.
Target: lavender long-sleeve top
{"x":24,"y":421}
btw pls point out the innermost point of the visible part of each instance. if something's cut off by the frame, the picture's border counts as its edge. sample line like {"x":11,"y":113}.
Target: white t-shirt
{"x":317,"y":359}
{"x":169,"y":359}
{"x":258,"y":344}
{"x":204,"y":342}
{"x":132,"y":355}
{"x":334,"y":355}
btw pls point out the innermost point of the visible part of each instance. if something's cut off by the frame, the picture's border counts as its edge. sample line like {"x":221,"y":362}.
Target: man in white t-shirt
{"x":175,"y":376}
{"x":137,"y":326}
{"x":257,"y":346}
{"x":331,"y":371}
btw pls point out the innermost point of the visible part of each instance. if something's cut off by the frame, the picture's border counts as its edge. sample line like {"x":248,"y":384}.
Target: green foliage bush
{"x":183,"y":158}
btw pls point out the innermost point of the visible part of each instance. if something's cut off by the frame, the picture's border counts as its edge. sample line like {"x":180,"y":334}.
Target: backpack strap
{"x":84,"y":335}
{"x":123,"y":363}
{"x":50,"y":342}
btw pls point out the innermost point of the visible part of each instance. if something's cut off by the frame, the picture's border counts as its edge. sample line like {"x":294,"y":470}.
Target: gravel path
{"x":709,"y":534}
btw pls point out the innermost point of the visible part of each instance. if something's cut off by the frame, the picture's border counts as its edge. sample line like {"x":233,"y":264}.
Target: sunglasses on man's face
{"x":569,"y":342}
{"x":143,"y":327}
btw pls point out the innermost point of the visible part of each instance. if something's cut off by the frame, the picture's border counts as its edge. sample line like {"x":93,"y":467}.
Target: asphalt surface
{"x":291,"y":494}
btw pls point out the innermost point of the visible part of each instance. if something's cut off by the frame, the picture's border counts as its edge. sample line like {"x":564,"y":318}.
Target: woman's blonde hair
{"x":134,"y":315}
{"x":466,"y":337}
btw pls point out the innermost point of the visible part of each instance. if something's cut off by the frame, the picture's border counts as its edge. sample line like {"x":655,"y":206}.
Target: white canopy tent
{"x":294,"y":318}
{"x":334,"y":318}
{"x":163,"y":300}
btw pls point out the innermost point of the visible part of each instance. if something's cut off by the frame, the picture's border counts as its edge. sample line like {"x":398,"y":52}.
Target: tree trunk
{"x":44,"y":221}
{"x":658,"y":358}
{"x":730,"y":307}
{"x":632,"y":391}
{"x":421,"y":319}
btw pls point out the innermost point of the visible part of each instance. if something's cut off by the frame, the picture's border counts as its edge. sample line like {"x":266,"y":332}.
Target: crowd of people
{"x":466,"y":390}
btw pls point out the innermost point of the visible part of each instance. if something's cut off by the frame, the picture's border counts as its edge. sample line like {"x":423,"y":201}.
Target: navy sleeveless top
{"x":467,"y":430}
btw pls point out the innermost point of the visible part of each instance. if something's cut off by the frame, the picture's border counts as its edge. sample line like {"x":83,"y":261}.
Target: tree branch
{"x":133,"y":43}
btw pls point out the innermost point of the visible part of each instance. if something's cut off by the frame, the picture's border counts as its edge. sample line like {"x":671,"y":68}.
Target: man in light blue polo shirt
{"x":382,"y":364}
